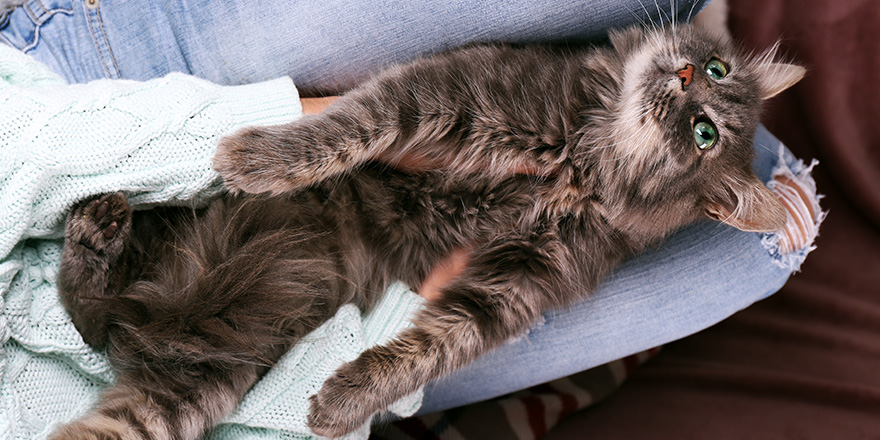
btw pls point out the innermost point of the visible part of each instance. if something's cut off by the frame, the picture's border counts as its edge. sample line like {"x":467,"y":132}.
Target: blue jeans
{"x":325,"y":46}
{"x":699,"y":276}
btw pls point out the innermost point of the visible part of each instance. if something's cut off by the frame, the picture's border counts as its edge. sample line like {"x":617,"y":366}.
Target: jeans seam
{"x":30,"y":13}
{"x":36,"y":19}
{"x":43,"y":7}
{"x":45,"y":14}
{"x":37,"y":23}
{"x":102,"y":45}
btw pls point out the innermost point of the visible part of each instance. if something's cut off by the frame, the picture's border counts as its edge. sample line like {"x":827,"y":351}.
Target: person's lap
{"x":696,"y":278}
{"x":326,"y":46}
{"x":699,"y":276}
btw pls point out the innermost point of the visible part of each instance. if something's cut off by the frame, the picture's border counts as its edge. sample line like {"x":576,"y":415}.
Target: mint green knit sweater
{"x":60,"y":143}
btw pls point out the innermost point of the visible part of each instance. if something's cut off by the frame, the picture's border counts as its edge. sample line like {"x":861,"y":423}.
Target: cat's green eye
{"x":705,"y":135}
{"x":715,"y":69}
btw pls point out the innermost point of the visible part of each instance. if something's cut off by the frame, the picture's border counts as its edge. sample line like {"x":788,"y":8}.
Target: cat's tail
{"x":136,"y":410}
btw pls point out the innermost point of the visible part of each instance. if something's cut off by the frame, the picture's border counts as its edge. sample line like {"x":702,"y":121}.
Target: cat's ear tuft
{"x":773,"y":76}
{"x":626,"y":40}
{"x":776,"y":77}
{"x":755,"y":208}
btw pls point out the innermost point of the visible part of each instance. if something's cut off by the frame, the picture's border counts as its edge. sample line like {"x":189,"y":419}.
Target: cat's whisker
{"x":744,"y":138}
{"x":690,"y":15}
{"x":660,"y":15}
{"x":638,"y":18}
{"x":648,"y":16}
{"x":764,"y":147}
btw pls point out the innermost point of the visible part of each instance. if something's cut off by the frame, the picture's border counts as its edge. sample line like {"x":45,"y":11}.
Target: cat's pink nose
{"x":686,"y":74}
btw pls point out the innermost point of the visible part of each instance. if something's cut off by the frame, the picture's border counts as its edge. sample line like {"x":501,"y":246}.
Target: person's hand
{"x":313,"y":106}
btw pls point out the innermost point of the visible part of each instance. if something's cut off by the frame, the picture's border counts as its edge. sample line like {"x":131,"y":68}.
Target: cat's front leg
{"x":413,"y":117}
{"x":95,"y":235}
{"x":505,"y":289}
{"x":284,"y":158}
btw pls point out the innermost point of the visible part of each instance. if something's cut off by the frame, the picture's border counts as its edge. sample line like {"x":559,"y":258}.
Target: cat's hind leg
{"x":506,"y":287}
{"x":95,"y":237}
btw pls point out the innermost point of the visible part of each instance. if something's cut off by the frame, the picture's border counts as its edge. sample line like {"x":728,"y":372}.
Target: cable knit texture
{"x":61,"y":143}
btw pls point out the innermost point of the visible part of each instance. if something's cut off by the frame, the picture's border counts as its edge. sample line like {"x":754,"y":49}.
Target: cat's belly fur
{"x":341,"y":242}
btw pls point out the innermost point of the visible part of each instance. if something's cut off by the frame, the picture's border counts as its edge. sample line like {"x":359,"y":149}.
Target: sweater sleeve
{"x":154,"y":140}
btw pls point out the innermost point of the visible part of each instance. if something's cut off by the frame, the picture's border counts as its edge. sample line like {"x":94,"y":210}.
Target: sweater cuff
{"x":265,"y":103}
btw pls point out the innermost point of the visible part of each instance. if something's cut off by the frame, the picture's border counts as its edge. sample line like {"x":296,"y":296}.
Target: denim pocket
{"x":20,"y":26}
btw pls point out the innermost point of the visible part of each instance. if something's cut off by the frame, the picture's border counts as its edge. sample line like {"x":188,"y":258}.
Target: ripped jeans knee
{"x":794,"y":186}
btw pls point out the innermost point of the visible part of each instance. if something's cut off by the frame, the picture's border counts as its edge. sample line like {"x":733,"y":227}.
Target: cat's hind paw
{"x":100,"y":224}
{"x":335,"y":409}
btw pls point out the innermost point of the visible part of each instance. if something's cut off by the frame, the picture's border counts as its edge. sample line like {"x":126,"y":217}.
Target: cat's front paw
{"x":340,"y":407}
{"x":261,"y":160}
{"x":100,"y":225}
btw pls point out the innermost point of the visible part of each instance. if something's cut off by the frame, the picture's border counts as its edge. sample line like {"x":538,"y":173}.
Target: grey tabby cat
{"x":551,"y":165}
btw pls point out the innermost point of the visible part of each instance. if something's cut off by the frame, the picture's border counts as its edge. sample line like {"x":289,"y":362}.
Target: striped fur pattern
{"x":550,"y":164}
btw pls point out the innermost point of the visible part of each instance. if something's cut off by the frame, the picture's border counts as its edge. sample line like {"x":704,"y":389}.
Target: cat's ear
{"x":751,"y":208}
{"x":626,"y":40}
{"x":774,"y":77}
{"x":712,"y":19}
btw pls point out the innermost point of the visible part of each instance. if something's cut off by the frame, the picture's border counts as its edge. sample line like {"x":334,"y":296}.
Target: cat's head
{"x":681,"y":136}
